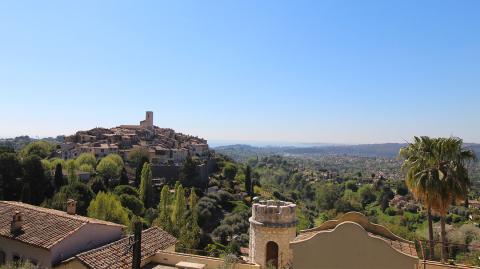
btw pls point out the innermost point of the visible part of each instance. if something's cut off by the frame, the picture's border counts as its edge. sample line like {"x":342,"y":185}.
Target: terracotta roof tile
{"x":42,"y":227}
{"x":114,"y":255}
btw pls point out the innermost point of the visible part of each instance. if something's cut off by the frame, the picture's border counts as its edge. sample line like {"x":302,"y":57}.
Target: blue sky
{"x":276,"y":71}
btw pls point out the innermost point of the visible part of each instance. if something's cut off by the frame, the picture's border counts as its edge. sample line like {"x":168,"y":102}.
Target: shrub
{"x":390,"y":211}
{"x":133,"y":203}
{"x":125,"y":189}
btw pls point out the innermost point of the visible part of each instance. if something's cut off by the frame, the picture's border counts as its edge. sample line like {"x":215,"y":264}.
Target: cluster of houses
{"x":163,"y":145}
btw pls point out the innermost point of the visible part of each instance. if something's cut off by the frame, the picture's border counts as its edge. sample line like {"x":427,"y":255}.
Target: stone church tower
{"x":148,"y":122}
{"x":272,"y":228}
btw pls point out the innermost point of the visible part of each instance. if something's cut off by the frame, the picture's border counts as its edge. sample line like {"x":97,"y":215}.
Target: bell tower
{"x":148,"y":122}
{"x":272,"y":228}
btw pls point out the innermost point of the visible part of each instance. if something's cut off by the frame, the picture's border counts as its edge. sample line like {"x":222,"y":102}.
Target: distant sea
{"x":220,"y":143}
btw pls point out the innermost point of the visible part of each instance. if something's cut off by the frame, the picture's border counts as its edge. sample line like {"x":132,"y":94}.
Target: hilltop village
{"x":163,"y":145}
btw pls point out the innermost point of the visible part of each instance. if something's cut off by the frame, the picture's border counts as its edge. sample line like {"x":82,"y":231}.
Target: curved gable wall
{"x":348,"y":246}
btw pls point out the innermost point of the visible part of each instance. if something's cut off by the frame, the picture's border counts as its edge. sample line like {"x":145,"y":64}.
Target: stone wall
{"x":272,"y":221}
{"x":172,"y":258}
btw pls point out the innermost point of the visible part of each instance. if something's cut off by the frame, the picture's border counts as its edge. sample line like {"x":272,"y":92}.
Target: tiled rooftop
{"x":42,"y":227}
{"x":153,"y":240}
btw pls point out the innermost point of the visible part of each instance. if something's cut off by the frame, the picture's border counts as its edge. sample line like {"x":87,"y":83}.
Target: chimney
{"x":17,"y":222}
{"x":71,"y":207}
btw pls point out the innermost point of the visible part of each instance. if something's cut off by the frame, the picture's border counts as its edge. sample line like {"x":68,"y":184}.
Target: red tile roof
{"x":42,"y":227}
{"x":114,"y":255}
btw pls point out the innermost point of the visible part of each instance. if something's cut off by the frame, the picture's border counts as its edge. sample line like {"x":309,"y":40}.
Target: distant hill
{"x":386,"y":150}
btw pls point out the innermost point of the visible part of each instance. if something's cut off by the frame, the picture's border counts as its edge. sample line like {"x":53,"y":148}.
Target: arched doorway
{"x":272,"y":255}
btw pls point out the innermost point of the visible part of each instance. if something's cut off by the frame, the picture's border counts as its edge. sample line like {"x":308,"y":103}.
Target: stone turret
{"x":148,"y":122}
{"x":272,"y":228}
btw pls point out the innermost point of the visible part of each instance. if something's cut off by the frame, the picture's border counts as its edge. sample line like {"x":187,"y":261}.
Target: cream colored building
{"x":46,"y":237}
{"x":352,"y":242}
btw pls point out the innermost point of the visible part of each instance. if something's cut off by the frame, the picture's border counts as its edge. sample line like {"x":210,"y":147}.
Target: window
{"x":16,"y":258}
{"x":2,"y":257}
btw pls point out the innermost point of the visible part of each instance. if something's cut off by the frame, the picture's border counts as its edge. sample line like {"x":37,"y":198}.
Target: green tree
{"x":164,"y":217}
{"x":117,"y":159}
{"x":179,"y":210}
{"x":132,"y":203}
{"x":229,"y":171}
{"x":146,"y":188}
{"x":107,"y":206}
{"x":188,"y":174}
{"x":56,"y":161}
{"x":26,"y":193}
{"x":86,"y":168}
{"x":86,"y":158}
{"x":138,"y":170}
{"x":71,"y":167}
{"x":58,"y":177}
{"x":77,"y":191}
{"x":352,"y":185}
{"x":42,"y":149}
{"x":124,"y":177}
{"x":190,"y":234}
{"x":328,"y":194}
{"x":367,"y":195}
{"x":248,"y":180}
{"x":452,"y":180}
{"x":108,"y":169}
{"x":97,"y":185}
{"x":137,"y":156}
{"x":34,"y":176}
{"x":417,"y":165}
{"x":10,"y":170}
{"x":436,"y":174}
{"x":126,"y":189}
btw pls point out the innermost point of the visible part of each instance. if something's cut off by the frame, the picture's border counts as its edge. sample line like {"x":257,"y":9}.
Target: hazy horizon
{"x":305,"y":72}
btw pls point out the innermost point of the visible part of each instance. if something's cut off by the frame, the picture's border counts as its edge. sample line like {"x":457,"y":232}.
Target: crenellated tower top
{"x":271,"y":213}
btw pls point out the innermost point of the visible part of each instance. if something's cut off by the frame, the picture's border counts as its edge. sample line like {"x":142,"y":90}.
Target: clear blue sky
{"x":284,"y":71}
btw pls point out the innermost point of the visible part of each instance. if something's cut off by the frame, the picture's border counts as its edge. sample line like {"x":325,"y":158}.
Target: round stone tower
{"x":272,"y":228}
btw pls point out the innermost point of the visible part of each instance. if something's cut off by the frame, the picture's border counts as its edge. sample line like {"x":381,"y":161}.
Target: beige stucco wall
{"x":74,"y":263}
{"x":348,"y":246}
{"x":88,"y":237}
{"x":172,"y":258}
{"x":27,"y":252}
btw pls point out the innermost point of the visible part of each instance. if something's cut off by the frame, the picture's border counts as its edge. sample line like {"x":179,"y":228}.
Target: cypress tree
{"x":190,"y":234}
{"x":138,"y":170}
{"x":163,"y":220}
{"x":179,"y":209}
{"x":248,"y":180}
{"x":124,"y":177}
{"x":26,"y":193}
{"x":146,"y":189}
{"x":58,"y":178}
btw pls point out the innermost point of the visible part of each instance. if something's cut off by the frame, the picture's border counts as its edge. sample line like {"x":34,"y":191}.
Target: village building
{"x":118,"y":254}
{"x":46,"y":237}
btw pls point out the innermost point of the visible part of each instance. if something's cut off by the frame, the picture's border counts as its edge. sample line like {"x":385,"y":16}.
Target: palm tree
{"x":451,"y":175}
{"x":418,"y":158}
{"x":437,"y":176}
